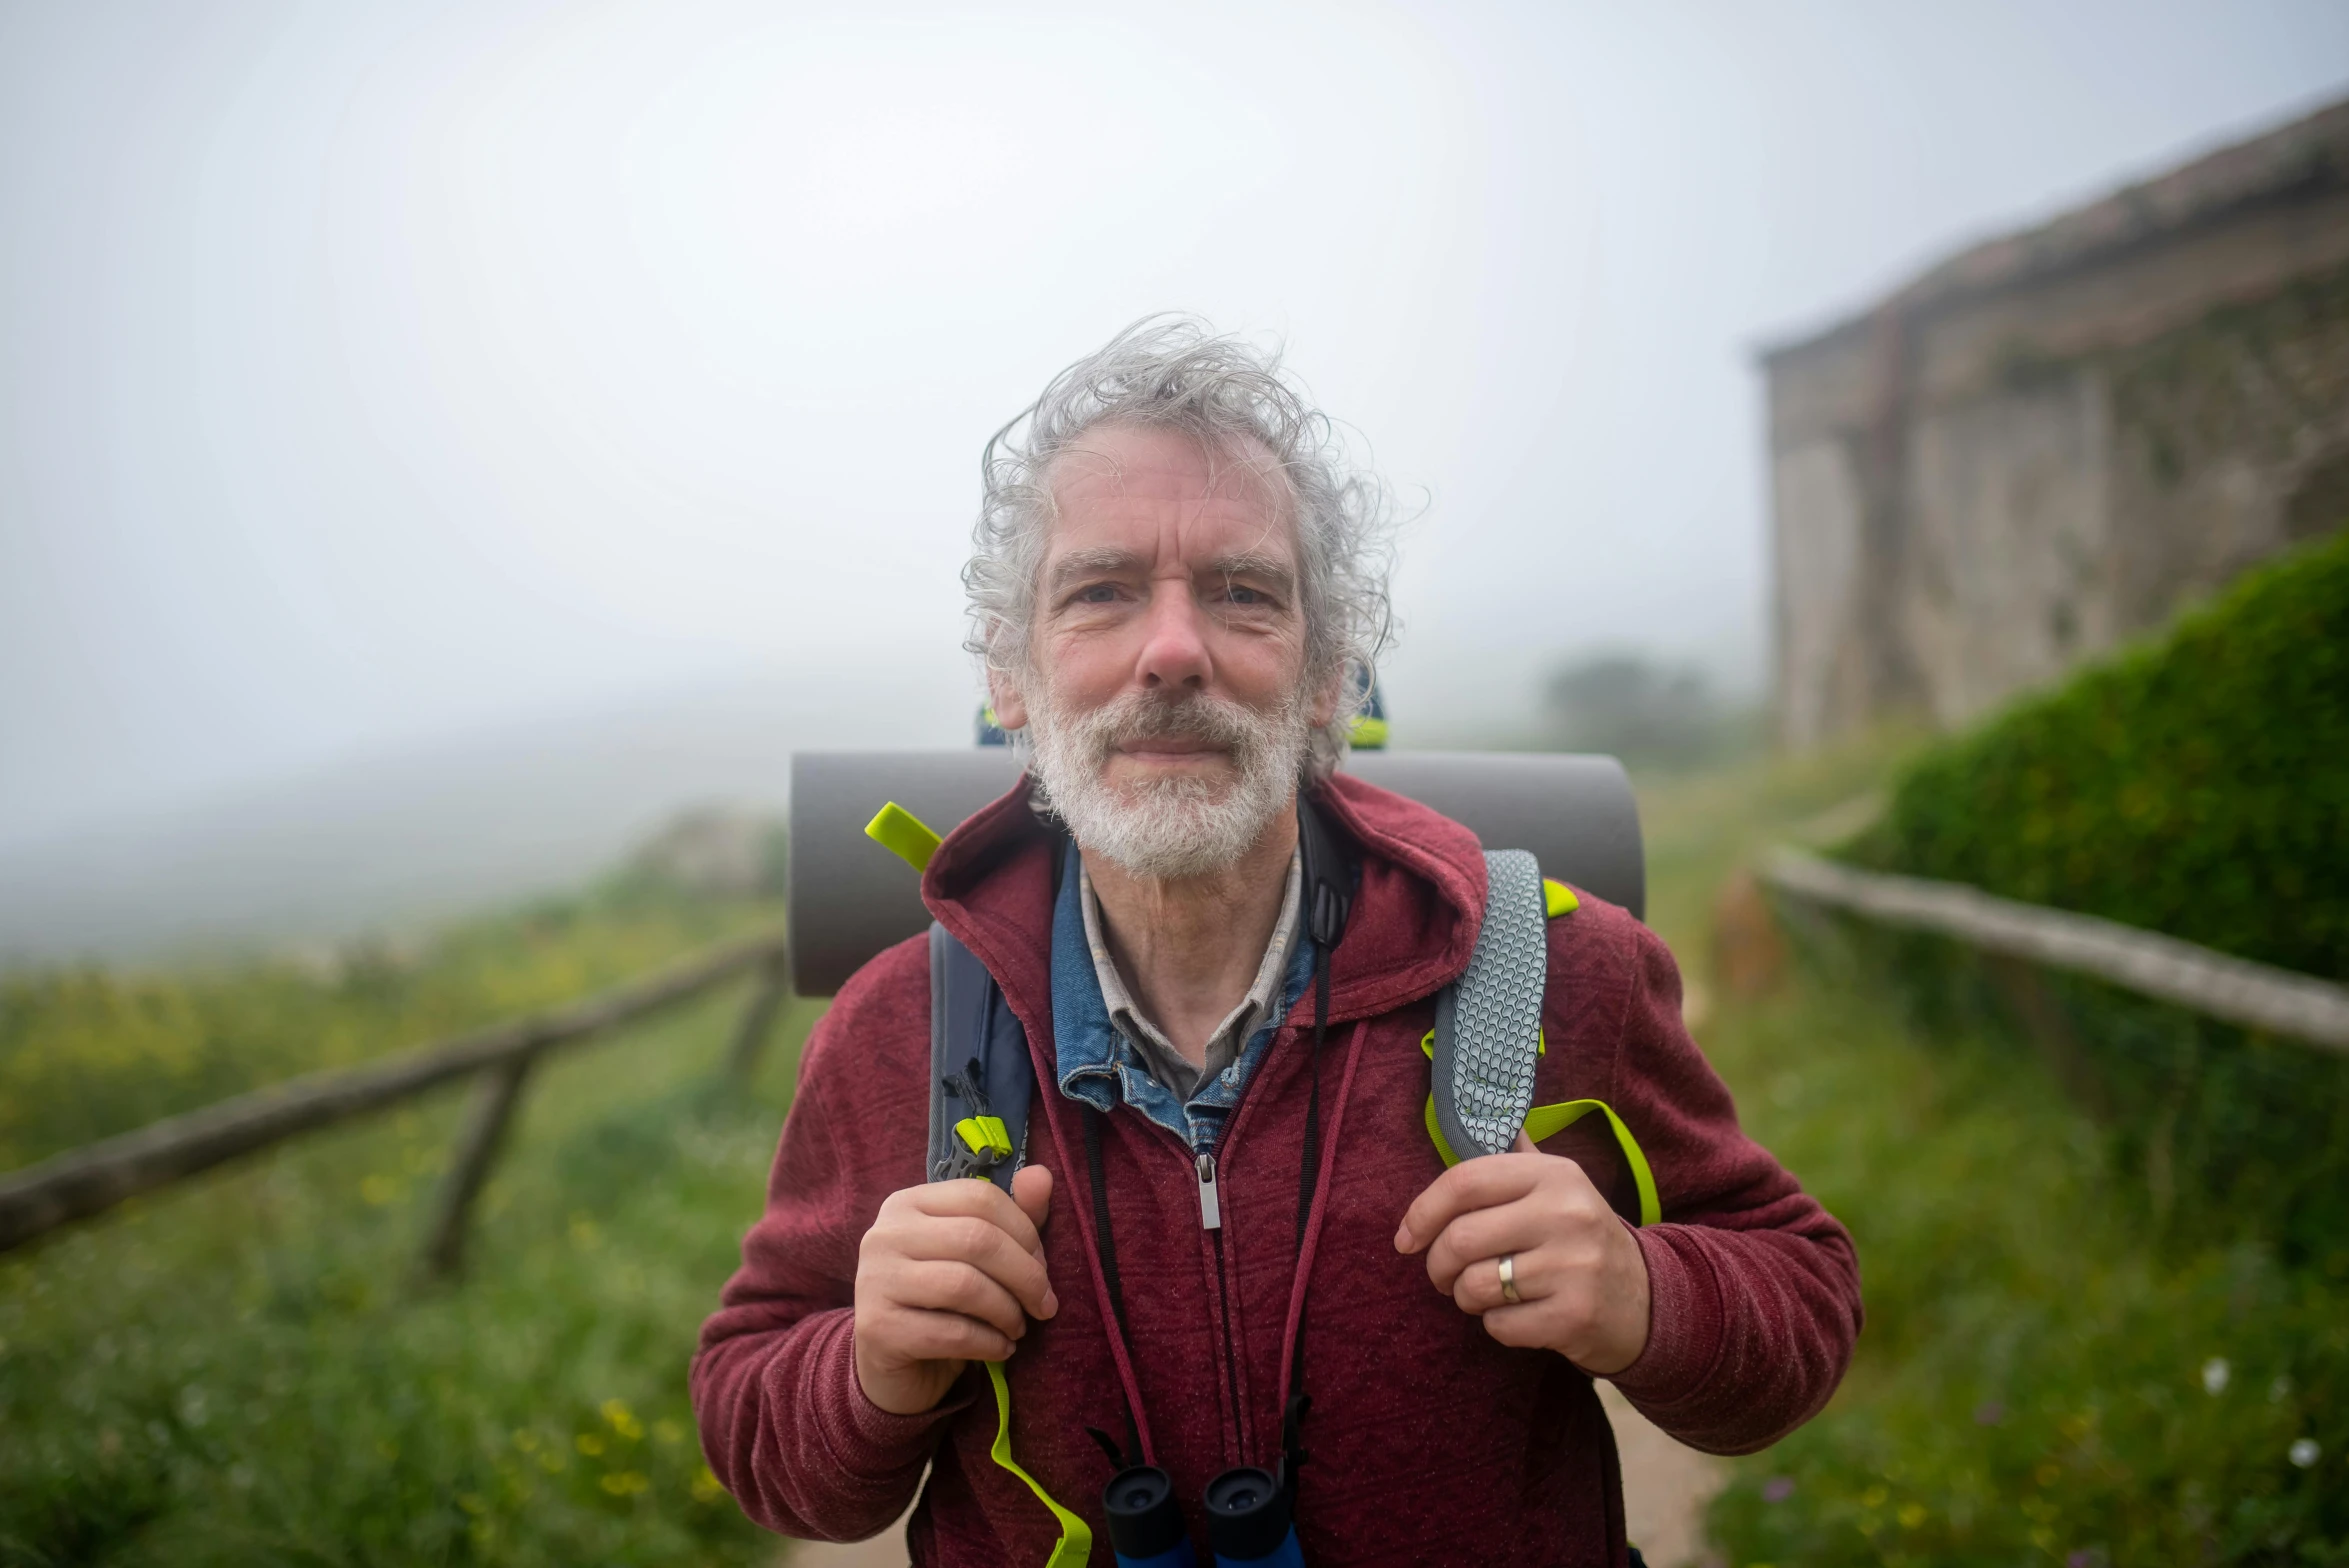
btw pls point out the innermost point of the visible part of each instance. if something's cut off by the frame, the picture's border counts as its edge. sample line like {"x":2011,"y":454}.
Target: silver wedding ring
{"x":1509,"y":1279}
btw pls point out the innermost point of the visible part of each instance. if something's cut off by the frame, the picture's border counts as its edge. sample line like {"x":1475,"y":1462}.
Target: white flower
{"x":2215,"y":1373}
{"x":2303,"y":1453}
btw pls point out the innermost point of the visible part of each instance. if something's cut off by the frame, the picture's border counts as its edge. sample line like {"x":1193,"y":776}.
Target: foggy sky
{"x":374,"y":373}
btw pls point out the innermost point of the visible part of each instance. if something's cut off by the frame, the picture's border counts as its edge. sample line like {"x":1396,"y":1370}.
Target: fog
{"x":480,"y":427}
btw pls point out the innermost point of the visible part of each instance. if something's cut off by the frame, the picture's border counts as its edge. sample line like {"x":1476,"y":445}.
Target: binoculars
{"x":1247,"y":1520}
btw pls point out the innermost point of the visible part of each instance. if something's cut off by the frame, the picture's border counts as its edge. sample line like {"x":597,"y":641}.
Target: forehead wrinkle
{"x":1268,"y":490}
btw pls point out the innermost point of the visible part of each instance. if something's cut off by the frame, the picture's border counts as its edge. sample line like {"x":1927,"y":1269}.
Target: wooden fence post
{"x":494,"y":1099}
{"x":2220,"y":985}
{"x":758,"y":1019}
{"x":87,"y":1181}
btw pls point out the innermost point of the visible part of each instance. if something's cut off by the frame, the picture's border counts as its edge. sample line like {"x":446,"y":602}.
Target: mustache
{"x":1213,"y":721}
{"x":1208,"y":719}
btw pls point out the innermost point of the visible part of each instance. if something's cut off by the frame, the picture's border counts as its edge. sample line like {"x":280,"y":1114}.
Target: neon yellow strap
{"x":904,"y":835}
{"x":1076,"y":1537}
{"x":1558,"y":899}
{"x":985,"y":1135}
{"x":1544,"y":1121}
{"x":1368,"y":733}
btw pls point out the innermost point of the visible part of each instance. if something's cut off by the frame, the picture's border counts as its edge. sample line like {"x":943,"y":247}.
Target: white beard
{"x":1166,"y":827}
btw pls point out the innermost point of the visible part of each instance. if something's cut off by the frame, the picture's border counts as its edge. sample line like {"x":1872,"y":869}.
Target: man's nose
{"x":1174,"y":641}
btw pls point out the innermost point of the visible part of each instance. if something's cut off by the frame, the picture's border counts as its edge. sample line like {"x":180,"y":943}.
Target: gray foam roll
{"x":848,"y":898}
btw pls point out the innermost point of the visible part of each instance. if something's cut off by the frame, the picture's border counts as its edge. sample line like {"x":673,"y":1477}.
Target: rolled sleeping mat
{"x":847,"y":898}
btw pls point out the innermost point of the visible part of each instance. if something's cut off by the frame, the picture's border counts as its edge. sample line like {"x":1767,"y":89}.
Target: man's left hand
{"x":1582,"y":1281}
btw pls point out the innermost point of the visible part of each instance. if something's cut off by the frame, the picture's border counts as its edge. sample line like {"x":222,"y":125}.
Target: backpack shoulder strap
{"x":981,"y":1079}
{"x":1488,"y":1023}
{"x":1487,"y":1042}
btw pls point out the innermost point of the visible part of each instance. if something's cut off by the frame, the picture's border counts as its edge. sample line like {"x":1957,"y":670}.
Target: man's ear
{"x":1325,"y":701}
{"x":1011,"y":708}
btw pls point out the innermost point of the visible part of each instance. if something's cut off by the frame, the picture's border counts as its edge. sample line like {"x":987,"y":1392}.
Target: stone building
{"x":2053,"y":441}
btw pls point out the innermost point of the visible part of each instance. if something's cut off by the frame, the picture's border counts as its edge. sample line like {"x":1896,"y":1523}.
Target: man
{"x":1175,"y":572}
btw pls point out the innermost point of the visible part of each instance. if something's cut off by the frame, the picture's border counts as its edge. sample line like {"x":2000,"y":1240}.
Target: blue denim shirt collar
{"x":1098,"y":1065}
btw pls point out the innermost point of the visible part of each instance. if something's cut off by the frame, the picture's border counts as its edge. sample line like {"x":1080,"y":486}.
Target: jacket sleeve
{"x":1755,"y":1287}
{"x":784,"y":1424}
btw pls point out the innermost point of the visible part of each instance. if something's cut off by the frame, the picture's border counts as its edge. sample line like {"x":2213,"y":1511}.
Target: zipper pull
{"x":1210,"y":1207}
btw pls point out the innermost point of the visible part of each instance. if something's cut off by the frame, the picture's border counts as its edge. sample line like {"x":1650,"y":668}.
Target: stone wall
{"x":2055,"y":441}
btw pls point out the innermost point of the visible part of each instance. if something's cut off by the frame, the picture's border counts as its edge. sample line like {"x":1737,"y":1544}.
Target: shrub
{"x":2196,"y":785}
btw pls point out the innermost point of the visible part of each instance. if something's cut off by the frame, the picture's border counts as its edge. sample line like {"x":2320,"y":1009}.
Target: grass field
{"x":242,"y":1372}
{"x":2048,"y":1373}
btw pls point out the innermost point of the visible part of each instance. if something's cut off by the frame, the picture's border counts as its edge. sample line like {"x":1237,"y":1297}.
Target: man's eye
{"x":1097,"y":593}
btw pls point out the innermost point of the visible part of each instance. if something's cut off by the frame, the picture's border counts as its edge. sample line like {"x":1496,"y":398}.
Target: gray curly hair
{"x":1174,"y":372}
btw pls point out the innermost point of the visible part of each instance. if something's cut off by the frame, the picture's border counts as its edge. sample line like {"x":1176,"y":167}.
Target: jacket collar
{"x":1416,"y":911}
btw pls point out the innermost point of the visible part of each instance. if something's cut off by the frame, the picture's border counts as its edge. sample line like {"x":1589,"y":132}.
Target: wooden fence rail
{"x":89,"y":1180}
{"x":2237,"y":990}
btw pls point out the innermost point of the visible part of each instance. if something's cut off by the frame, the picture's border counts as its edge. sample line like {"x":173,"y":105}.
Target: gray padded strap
{"x":1488,"y":1024}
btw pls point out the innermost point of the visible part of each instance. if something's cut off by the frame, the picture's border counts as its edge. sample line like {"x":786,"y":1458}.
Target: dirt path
{"x":1666,"y":1486}
{"x":1665,"y":1489}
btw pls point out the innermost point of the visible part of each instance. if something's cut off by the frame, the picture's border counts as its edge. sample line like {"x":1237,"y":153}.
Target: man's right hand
{"x":950,"y":1273}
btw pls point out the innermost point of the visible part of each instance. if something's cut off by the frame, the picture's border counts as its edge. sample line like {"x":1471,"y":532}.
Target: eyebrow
{"x":1090,"y":563}
{"x":1268,"y":569}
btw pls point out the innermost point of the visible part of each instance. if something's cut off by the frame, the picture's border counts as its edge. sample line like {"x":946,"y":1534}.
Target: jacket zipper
{"x":1211,"y":1221}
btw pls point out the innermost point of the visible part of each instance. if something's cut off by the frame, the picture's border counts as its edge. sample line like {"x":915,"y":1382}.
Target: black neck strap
{"x":1328,"y":895}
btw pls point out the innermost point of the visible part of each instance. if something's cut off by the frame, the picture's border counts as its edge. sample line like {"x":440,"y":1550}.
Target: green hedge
{"x":2196,"y":785}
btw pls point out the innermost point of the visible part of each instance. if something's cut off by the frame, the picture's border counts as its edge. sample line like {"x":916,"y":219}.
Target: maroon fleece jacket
{"x":1426,"y":1441}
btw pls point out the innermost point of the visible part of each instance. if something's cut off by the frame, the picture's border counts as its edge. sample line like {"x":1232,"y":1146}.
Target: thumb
{"x":1031,"y":1189}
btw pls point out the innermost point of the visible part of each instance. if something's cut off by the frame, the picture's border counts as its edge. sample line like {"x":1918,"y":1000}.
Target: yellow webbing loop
{"x":1076,"y":1537}
{"x":1366,"y":732}
{"x":985,"y":1135}
{"x":1558,"y":899}
{"x":1546,"y":1121}
{"x":904,"y":835}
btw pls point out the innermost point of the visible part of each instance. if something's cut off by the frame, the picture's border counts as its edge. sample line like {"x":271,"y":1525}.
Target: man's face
{"x":1167,"y":663}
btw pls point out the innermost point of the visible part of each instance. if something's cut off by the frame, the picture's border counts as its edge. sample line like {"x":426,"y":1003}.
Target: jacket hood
{"x":1418,"y":903}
